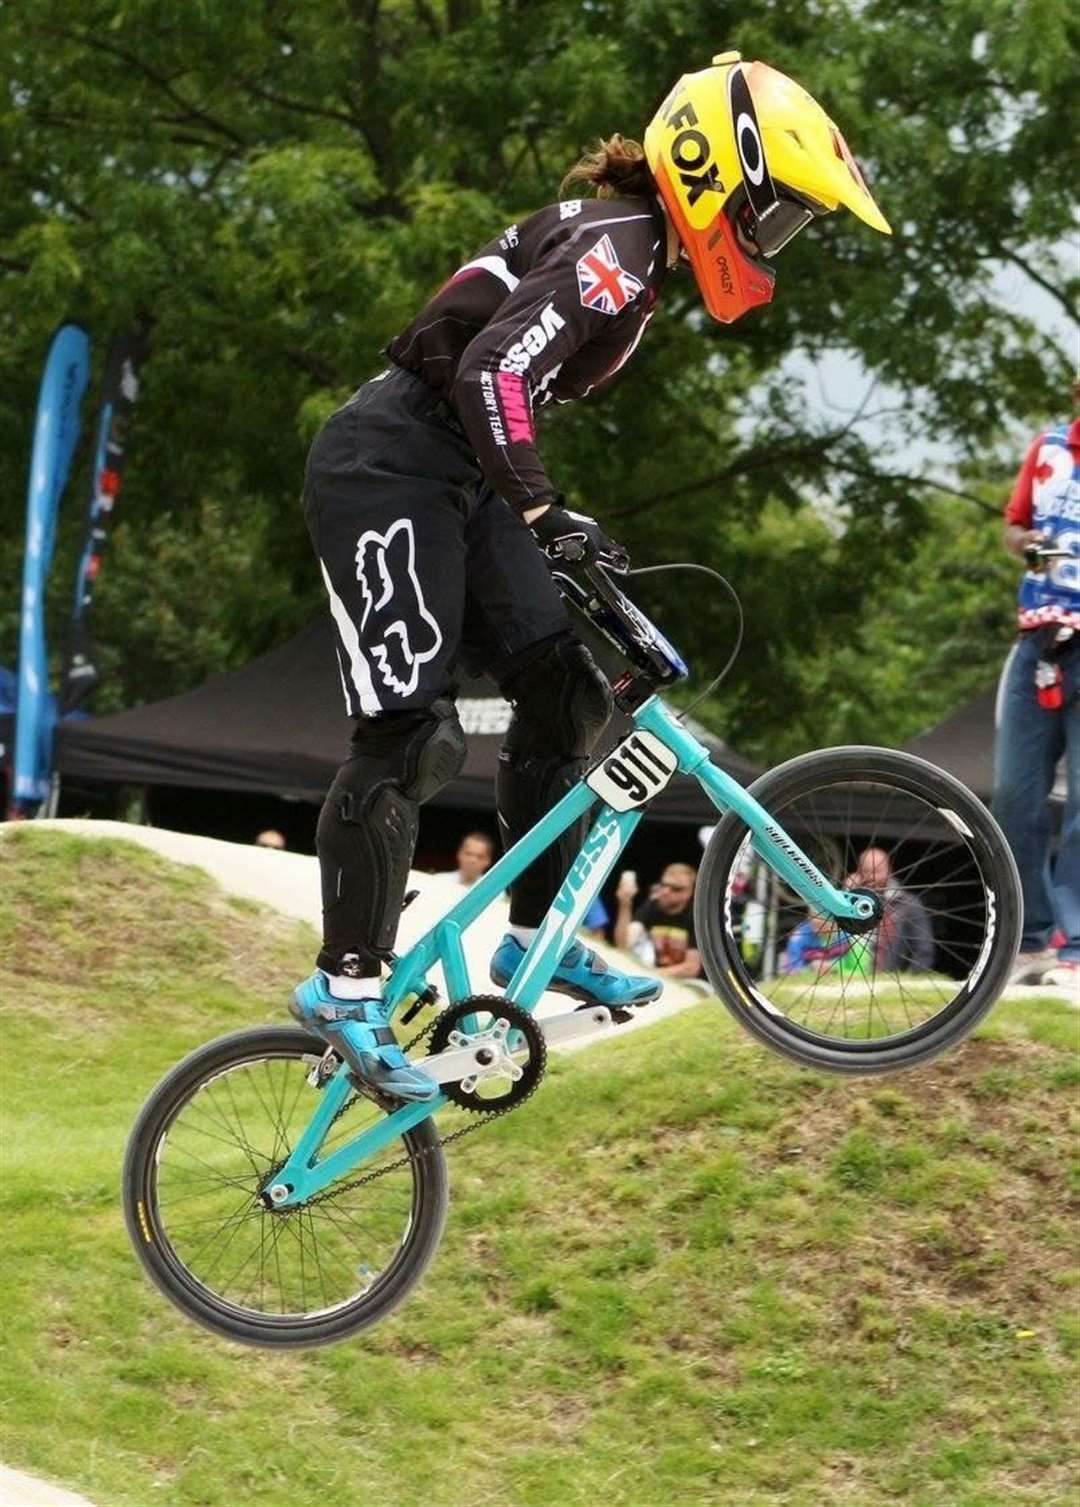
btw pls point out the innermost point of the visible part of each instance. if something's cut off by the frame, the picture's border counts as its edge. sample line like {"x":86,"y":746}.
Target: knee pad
{"x":433,"y":753}
{"x":562,"y":702}
{"x":416,"y":753}
{"x":368,"y":824}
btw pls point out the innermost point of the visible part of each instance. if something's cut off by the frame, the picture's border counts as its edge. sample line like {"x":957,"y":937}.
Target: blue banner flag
{"x":119,"y":391}
{"x":56,"y":430}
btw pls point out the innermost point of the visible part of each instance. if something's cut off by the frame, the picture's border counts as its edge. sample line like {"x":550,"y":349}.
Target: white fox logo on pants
{"x":396,"y":628}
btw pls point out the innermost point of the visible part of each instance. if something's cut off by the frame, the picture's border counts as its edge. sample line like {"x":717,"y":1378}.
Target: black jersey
{"x":548,"y":310}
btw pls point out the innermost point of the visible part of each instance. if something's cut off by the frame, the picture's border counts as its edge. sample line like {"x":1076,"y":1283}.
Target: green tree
{"x":279,"y":186}
{"x":933,"y":633}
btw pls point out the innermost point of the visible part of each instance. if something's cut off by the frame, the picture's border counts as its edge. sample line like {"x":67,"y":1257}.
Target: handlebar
{"x":587,"y":586}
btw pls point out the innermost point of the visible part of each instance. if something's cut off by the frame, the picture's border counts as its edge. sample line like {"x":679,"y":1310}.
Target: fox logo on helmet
{"x":691,"y":152}
{"x":396,"y":626}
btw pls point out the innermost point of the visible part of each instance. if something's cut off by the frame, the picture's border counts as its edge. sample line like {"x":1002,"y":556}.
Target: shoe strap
{"x":381,"y":1035}
{"x":359,"y":1010}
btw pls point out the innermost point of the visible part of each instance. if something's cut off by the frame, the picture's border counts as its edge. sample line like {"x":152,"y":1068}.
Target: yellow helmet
{"x":744,"y":158}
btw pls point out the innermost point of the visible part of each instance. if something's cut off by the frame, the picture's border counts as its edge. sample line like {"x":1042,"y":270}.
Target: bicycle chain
{"x":409,"y":1158}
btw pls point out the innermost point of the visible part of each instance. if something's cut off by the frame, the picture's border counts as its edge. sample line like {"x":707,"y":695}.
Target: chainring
{"x":520,"y":1021}
{"x":493,"y":1108}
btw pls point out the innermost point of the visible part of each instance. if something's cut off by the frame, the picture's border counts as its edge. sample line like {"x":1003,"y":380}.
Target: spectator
{"x":815,"y":943}
{"x":270,"y":839}
{"x":1039,"y":704}
{"x":595,"y":921}
{"x":475,"y":855}
{"x":660,"y":931}
{"x":904,"y":941}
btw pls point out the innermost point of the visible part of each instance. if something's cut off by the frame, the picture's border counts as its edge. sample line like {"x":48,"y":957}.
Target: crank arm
{"x":574,"y":1024}
{"x":469,"y":1056}
{"x":479,"y":1054}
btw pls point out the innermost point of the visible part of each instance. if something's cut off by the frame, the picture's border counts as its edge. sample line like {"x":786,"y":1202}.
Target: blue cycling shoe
{"x":584,"y":976}
{"x":359,"y":1031}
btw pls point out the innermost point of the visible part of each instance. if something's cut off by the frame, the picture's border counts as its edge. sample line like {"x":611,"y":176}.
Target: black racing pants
{"x":432,"y":577}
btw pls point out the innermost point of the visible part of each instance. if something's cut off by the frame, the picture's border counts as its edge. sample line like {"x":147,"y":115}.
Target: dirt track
{"x":290,"y":883}
{"x":17,"y":1490}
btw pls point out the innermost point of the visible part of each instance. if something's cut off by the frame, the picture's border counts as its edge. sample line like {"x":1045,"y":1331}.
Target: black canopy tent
{"x":278,"y":726}
{"x":963,"y":744}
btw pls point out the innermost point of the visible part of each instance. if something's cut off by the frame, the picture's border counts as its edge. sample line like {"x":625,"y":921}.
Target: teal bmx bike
{"x":279,"y":1202}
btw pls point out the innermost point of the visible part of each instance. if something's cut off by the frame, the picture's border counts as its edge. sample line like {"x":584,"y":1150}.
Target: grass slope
{"x":684,"y":1273}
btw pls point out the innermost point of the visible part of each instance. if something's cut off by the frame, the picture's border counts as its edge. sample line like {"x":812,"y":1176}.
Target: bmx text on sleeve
{"x":547,"y":311}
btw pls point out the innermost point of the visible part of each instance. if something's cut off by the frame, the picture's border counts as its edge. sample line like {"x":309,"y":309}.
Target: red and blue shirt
{"x":1047,"y":497}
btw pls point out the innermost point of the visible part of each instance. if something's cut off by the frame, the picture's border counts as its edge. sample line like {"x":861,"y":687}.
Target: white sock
{"x":350,"y":988}
{"x":523,"y":934}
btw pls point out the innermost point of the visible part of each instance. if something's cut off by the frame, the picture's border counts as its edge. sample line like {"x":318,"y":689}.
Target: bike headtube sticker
{"x":603,"y":283}
{"x":396,"y":628}
{"x":760,"y":189}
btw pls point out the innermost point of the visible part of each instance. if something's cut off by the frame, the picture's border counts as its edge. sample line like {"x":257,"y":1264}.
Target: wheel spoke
{"x":861,"y":991}
{"x":216,"y":1149}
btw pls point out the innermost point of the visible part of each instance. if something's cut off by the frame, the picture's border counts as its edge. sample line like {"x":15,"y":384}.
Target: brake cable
{"x":649,"y":570}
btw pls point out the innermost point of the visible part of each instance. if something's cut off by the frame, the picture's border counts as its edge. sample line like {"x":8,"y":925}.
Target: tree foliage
{"x":280,"y":185}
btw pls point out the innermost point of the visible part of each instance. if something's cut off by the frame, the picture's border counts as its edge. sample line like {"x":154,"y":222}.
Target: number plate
{"x":636,"y":770}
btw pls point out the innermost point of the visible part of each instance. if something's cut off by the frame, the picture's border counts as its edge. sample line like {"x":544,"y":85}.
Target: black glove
{"x":573,"y":539}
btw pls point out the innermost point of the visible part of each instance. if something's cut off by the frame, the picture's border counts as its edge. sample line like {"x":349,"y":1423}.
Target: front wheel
{"x":917,"y":983}
{"x":203,"y":1147}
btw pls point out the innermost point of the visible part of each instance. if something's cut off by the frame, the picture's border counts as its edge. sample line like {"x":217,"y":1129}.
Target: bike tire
{"x":760,"y":1007}
{"x":260,"y":1059}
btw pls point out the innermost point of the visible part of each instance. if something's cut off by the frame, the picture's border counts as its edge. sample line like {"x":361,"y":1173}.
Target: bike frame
{"x":304,"y":1174}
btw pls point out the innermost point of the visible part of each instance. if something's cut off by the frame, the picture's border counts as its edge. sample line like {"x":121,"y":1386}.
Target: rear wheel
{"x":203,"y":1147}
{"x":916,"y":983}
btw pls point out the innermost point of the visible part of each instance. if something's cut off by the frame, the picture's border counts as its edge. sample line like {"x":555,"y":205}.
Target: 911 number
{"x":635,"y":770}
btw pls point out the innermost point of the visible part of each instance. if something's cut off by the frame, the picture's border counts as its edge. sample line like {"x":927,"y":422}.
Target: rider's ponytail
{"x":615,"y":166}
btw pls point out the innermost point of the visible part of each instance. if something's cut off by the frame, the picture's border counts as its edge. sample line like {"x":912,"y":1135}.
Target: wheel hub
{"x":874,"y":906}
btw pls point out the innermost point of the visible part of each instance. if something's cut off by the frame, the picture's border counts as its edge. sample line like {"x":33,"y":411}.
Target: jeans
{"x":1030,"y":741}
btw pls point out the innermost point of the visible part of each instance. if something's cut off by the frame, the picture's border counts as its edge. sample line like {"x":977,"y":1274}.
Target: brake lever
{"x":588,"y":587}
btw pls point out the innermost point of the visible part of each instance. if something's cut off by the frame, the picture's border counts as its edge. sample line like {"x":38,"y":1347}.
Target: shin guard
{"x":367,"y":829}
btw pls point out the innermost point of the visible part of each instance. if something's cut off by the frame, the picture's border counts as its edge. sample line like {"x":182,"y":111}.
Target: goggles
{"x":766,"y":215}
{"x":768,"y":232}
